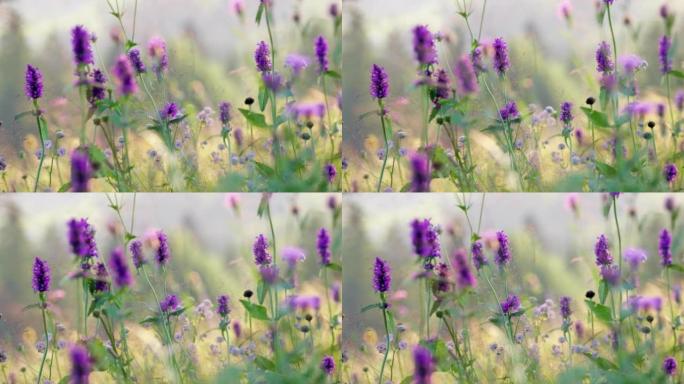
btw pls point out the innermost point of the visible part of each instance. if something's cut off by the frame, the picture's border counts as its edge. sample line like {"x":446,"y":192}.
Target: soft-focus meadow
{"x":533,"y":95}
{"x":170,"y":288}
{"x":515,"y":288}
{"x":152,"y":95}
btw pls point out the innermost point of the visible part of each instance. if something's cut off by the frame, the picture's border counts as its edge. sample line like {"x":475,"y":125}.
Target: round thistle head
{"x":328,"y":365}
{"x":81,"y":171}
{"x":169,"y":303}
{"x":33,"y":86}
{"x":635,"y":257}
{"x":80,"y":46}
{"x":321,"y":49}
{"x":41,"y":276}
{"x":118,"y":265}
{"x":510,"y":305}
{"x":501,"y":61}
{"x":81,"y":365}
{"x":223,"y":305}
{"x":379,"y":82}
{"x":424,"y":365}
{"x":382,"y":277}
{"x":262,"y":57}
{"x":260,"y":251}
{"x":670,"y":366}
{"x":323,"y":246}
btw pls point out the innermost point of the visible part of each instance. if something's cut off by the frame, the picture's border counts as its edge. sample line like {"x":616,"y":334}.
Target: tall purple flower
{"x":425,"y":239}
{"x":137,"y":254}
{"x":41,"y":276}
{"x":565,"y":307}
{"x":81,"y":365}
{"x":170,"y":111}
{"x":169,"y":303}
{"x":321,"y":48}
{"x":464,"y":276}
{"x":136,"y":61}
{"x":125,"y":76}
{"x":442,"y":83}
{"x":33,"y":86}
{"x":101,"y":283}
{"x":608,"y":2}
{"x":269,"y":273}
{"x":664,"y":54}
{"x":323,"y":246}
{"x":80,"y":46}
{"x":119,"y":267}
{"x":479,"y":258}
{"x":601,"y":251}
{"x":379,"y":82}
{"x":424,"y":45}
{"x":476,"y":57}
{"x":465,"y":76}
{"x":223,"y":305}
{"x":509,"y":112}
{"x":566,"y":113}
{"x":260,"y":250}
{"x":670,"y":366}
{"x":81,"y":236}
{"x":670,"y":172}
{"x":272,"y":81}
{"x":330,"y":172}
{"x":503,"y":253}
{"x":224,"y":112}
{"x":328,"y":365}
{"x":510,"y":305}
{"x":262,"y":57}
{"x":382,"y":277}
{"x":679,"y":100}
{"x":664,"y":248}
{"x":604,"y":64}
{"x":424,"y":365}
{"x":97,"y":90}
{"x":421,"y":175}
{"x":501,"y":61}
{"x":81,"y":171}
{"x":163,"y":253}
{"x":442,"y":283}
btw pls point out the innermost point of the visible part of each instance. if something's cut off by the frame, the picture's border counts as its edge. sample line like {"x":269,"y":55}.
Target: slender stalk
{"x":43,"y":304}
{"x":384,"y":135}
{"x":617,"y":225}
{"x":669,"y":299}
{"x":327,"y":300}
{"x":42,"y":144}
{"x":387,"y":338}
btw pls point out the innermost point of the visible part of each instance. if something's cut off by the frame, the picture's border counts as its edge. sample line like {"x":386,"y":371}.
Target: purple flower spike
{"x":464,"y":276}
{"x":565,"y":307}
{"x":224,"y":112}
{"x":80,"y":46}
{"x":510,"y":305}
{"x":223,"y":305}
{"x":321,"y":48}
{"x":425,"y":239}
{"x":421,"y":177}
{"x":101,"y":278}
{"x":501,"y":60}
{"x":611,"y":274}
{"x":509,"y":112}
{"x":479,"y":258}
{"x":503,"y":253}
{"x":41,"y":276}
{"x":137,"y":254}
{"x":323,"y":246}
{"x":81,"y":365}
{"x":670,"y":366}
{"x":328,"y":365}
{"x":670,"y":172}
{"x":424,"y":365}
{"x":97,"y":89}
{"x":604,"y":63}
{"x":124,"y":73}
{"x":120,"y":271}
{"x":170,"y":111}
{"x":330,"y":172}
{"x":382,"y":277}
{"x":34,"y":83}
{"x":269,"y":273}
{"x":262,"y":57}
{"x":664,"y":54}
{"x":664,"y":248}
{"x":163,"y":253}
{"x":424,"y":45}
{"x":81,"y":171}
{"x":379,"y":82}
{"x":260,"y":250}
{"x":566,"y":113}
{"x":136,"y":61}
{"x":603,"y":256}
{"x":170,"y":303}
{"x":466,"y":76}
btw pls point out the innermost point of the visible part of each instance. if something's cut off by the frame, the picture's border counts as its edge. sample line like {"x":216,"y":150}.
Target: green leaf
{"x":603,"y":291}
{"x":261,"y":291}
{"x":264,"y":170}
{"x":255,"y":310}
{"x":260,"y":13}
{"x":264,"y":363}
{"x":335,"y":267}
{"x":601,"y":312}
{"x":333,"y":74}
{"x":256,"y":119}
{"x":371,"y":306}
{"x":602,"y":363}
{"x":263,"y":97}
{"x":65,"y":188}
{"x":22,"y":115}
{"x":599,"y":119}
{"x":43,"y":128}
{"x":606,"y":169}
{"x":677,"y":267}
{"x":678,"y":74}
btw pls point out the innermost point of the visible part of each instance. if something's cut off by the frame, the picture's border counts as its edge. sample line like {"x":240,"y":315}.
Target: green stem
{"x":43,"y":304}
{"x":42,"y":145}
{"x":617,"y":225}
{"x":387,"y":338}
{"x":384,"y":134}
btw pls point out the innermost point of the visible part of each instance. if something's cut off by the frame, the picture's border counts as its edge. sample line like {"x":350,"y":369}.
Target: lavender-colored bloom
{"x":156,"y":48}
{"x":323,"y":246}
{"x":33,"y":86}
{"x":97,"y":88}
{"x":293,"y":255}
{"x":664,"y":248}
{"x":421,"y":175}
{"x":163,"y":253}
{"x":442,"y":83}
{"x":503,"y":253}
{"x":670,"y":366}
{"x":424,"y":365}
{"x":169,"y":303}
{"x":119,"y":266}
{"x":501,"y":61}
{"x":645,"y":304}
{"x":565,"y":307}
{"x":330,"y":172}
{"x":476,"y":57}
{"x":464,"y":276}
{"x":81,"y":171}
{"x":125,"y":76}
{"x":679,"y":100}
{"x":611,"y":274}
{"x":424,"y":238}
{"x":424,"y":45}
{"x":101,"y":278}
{"x":510,"y":112}
{"x":465,"y":76}
{"x":223,"y":305}
{"x":632,"y":63}
{"x":321,"y":49}
{"x":81,"y":237}
{"x":442,"y":283}
{"x":136,"y":61}
{"x":260,"y":251}
{"x":41,"y":276}
{"x":603,"y":256}
{"x":137,"y":254}
{"x":382,"y":277}
{"x":670,"y":172}
{"x":81,"y":365}
{"x":262,"y":57}
{"x":635,"y":257}
{"x":336,"y":292}
{"x":328,"y":365}
{"x":604,"y":63}
{"x":80,"y":46}
{"x":170,"y":111}
{"x":664,"y":54}
{"x":510,"y":305}
{"x":566,"y":113}
{"x":608,"y":2}
{"x":296,"y":62}
{"x":224,"y":112}
{"x":379,"y":82}
{"x":237,"y":329}
{"x":269,"y":273}
{"x":479,"y":258}
{"x":272,"y":81}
